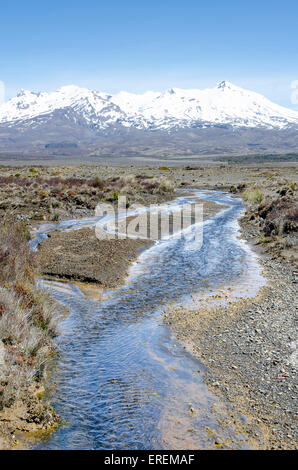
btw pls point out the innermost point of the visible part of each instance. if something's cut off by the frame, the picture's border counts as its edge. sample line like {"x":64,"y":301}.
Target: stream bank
{"x":119,"y":362}
{"x":249,"y":347}
{"x":249,"y":350}
{"x":199,"y":175}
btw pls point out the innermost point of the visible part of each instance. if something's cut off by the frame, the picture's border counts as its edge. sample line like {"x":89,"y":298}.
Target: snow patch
{"x":226,"y":104}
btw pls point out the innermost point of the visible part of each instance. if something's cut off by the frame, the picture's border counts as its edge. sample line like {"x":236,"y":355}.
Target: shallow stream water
{"x":122,"y":380}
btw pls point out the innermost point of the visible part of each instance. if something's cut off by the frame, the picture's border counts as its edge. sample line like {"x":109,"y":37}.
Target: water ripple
{"x":122,"y":381}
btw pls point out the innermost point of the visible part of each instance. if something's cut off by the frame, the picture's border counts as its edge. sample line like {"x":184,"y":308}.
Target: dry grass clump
{"x":164,"y":185}
{"x":136,"y":185}
{"x":16,"y":259}
{"x":28,"y":347}
{"x":280,"y":216}
{"x":253,"y":195}
{"x":274,"y":214}
{"x":28,"y":316}
{"x":98,"y":183}
{"x":54,"y":197}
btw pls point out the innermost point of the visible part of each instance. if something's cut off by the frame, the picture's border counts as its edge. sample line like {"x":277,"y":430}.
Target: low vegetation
{"x":253,"y":195}
{"x":53,"y":197}
{"x":272,"y":212}
{"x":28,"y":317}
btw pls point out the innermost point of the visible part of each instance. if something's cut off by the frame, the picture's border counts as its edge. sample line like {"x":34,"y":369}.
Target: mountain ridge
{"x":224,"y":105}
{"x":73,"y":121}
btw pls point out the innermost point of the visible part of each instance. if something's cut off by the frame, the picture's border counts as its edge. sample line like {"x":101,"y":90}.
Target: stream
{"x":122,"y":381}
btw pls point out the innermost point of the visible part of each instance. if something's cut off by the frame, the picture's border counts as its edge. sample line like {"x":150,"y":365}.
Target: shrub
{"x":151,"y":187}
{"x":54,"y":217}
{"x":264,"y":239}
{"x":28,"y":316}
{"x":165,"y":185}
{"x":252,"y":195}
{"x":142,"y":177}
{"x":43,"y":194}
{"x":27,"y":347}
{"x":16,"y":258}
{"x":98,"y":183}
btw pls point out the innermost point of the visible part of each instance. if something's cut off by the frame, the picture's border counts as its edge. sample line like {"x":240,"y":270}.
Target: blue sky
{"x":137,"y":45}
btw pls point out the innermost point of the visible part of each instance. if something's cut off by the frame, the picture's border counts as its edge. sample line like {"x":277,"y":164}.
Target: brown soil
{"x":79,"y":255}
{"x":28,"y":417}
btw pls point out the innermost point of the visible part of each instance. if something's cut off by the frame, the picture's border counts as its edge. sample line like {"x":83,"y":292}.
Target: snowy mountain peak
{"x":225,"y":85}
{"x":224,"y":105}
{"x":22,"y":92}
{"x":171,"y":91}
{"x":72,"y":89}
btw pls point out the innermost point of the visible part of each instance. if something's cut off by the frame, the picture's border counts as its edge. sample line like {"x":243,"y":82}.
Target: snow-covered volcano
{"x":224,"y":105}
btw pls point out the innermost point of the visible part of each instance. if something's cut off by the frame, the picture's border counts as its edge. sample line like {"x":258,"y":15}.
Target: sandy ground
{"x":80,"y":256}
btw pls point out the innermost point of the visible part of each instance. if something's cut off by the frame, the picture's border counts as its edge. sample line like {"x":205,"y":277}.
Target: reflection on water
{"x":122,"y":381}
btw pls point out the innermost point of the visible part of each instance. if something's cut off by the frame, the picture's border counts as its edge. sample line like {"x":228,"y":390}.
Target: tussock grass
{"x":28,"y":316}
{"x":253,"y":195}
{"x":264,"y":239}
{"x":281,"y":217}
{"x":164,"y":185}
{"x":16,"y":259}
{"x":37,"y":197}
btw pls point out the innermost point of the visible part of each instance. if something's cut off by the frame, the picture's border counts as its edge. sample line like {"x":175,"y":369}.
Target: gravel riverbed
{"x":249,"y":348}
